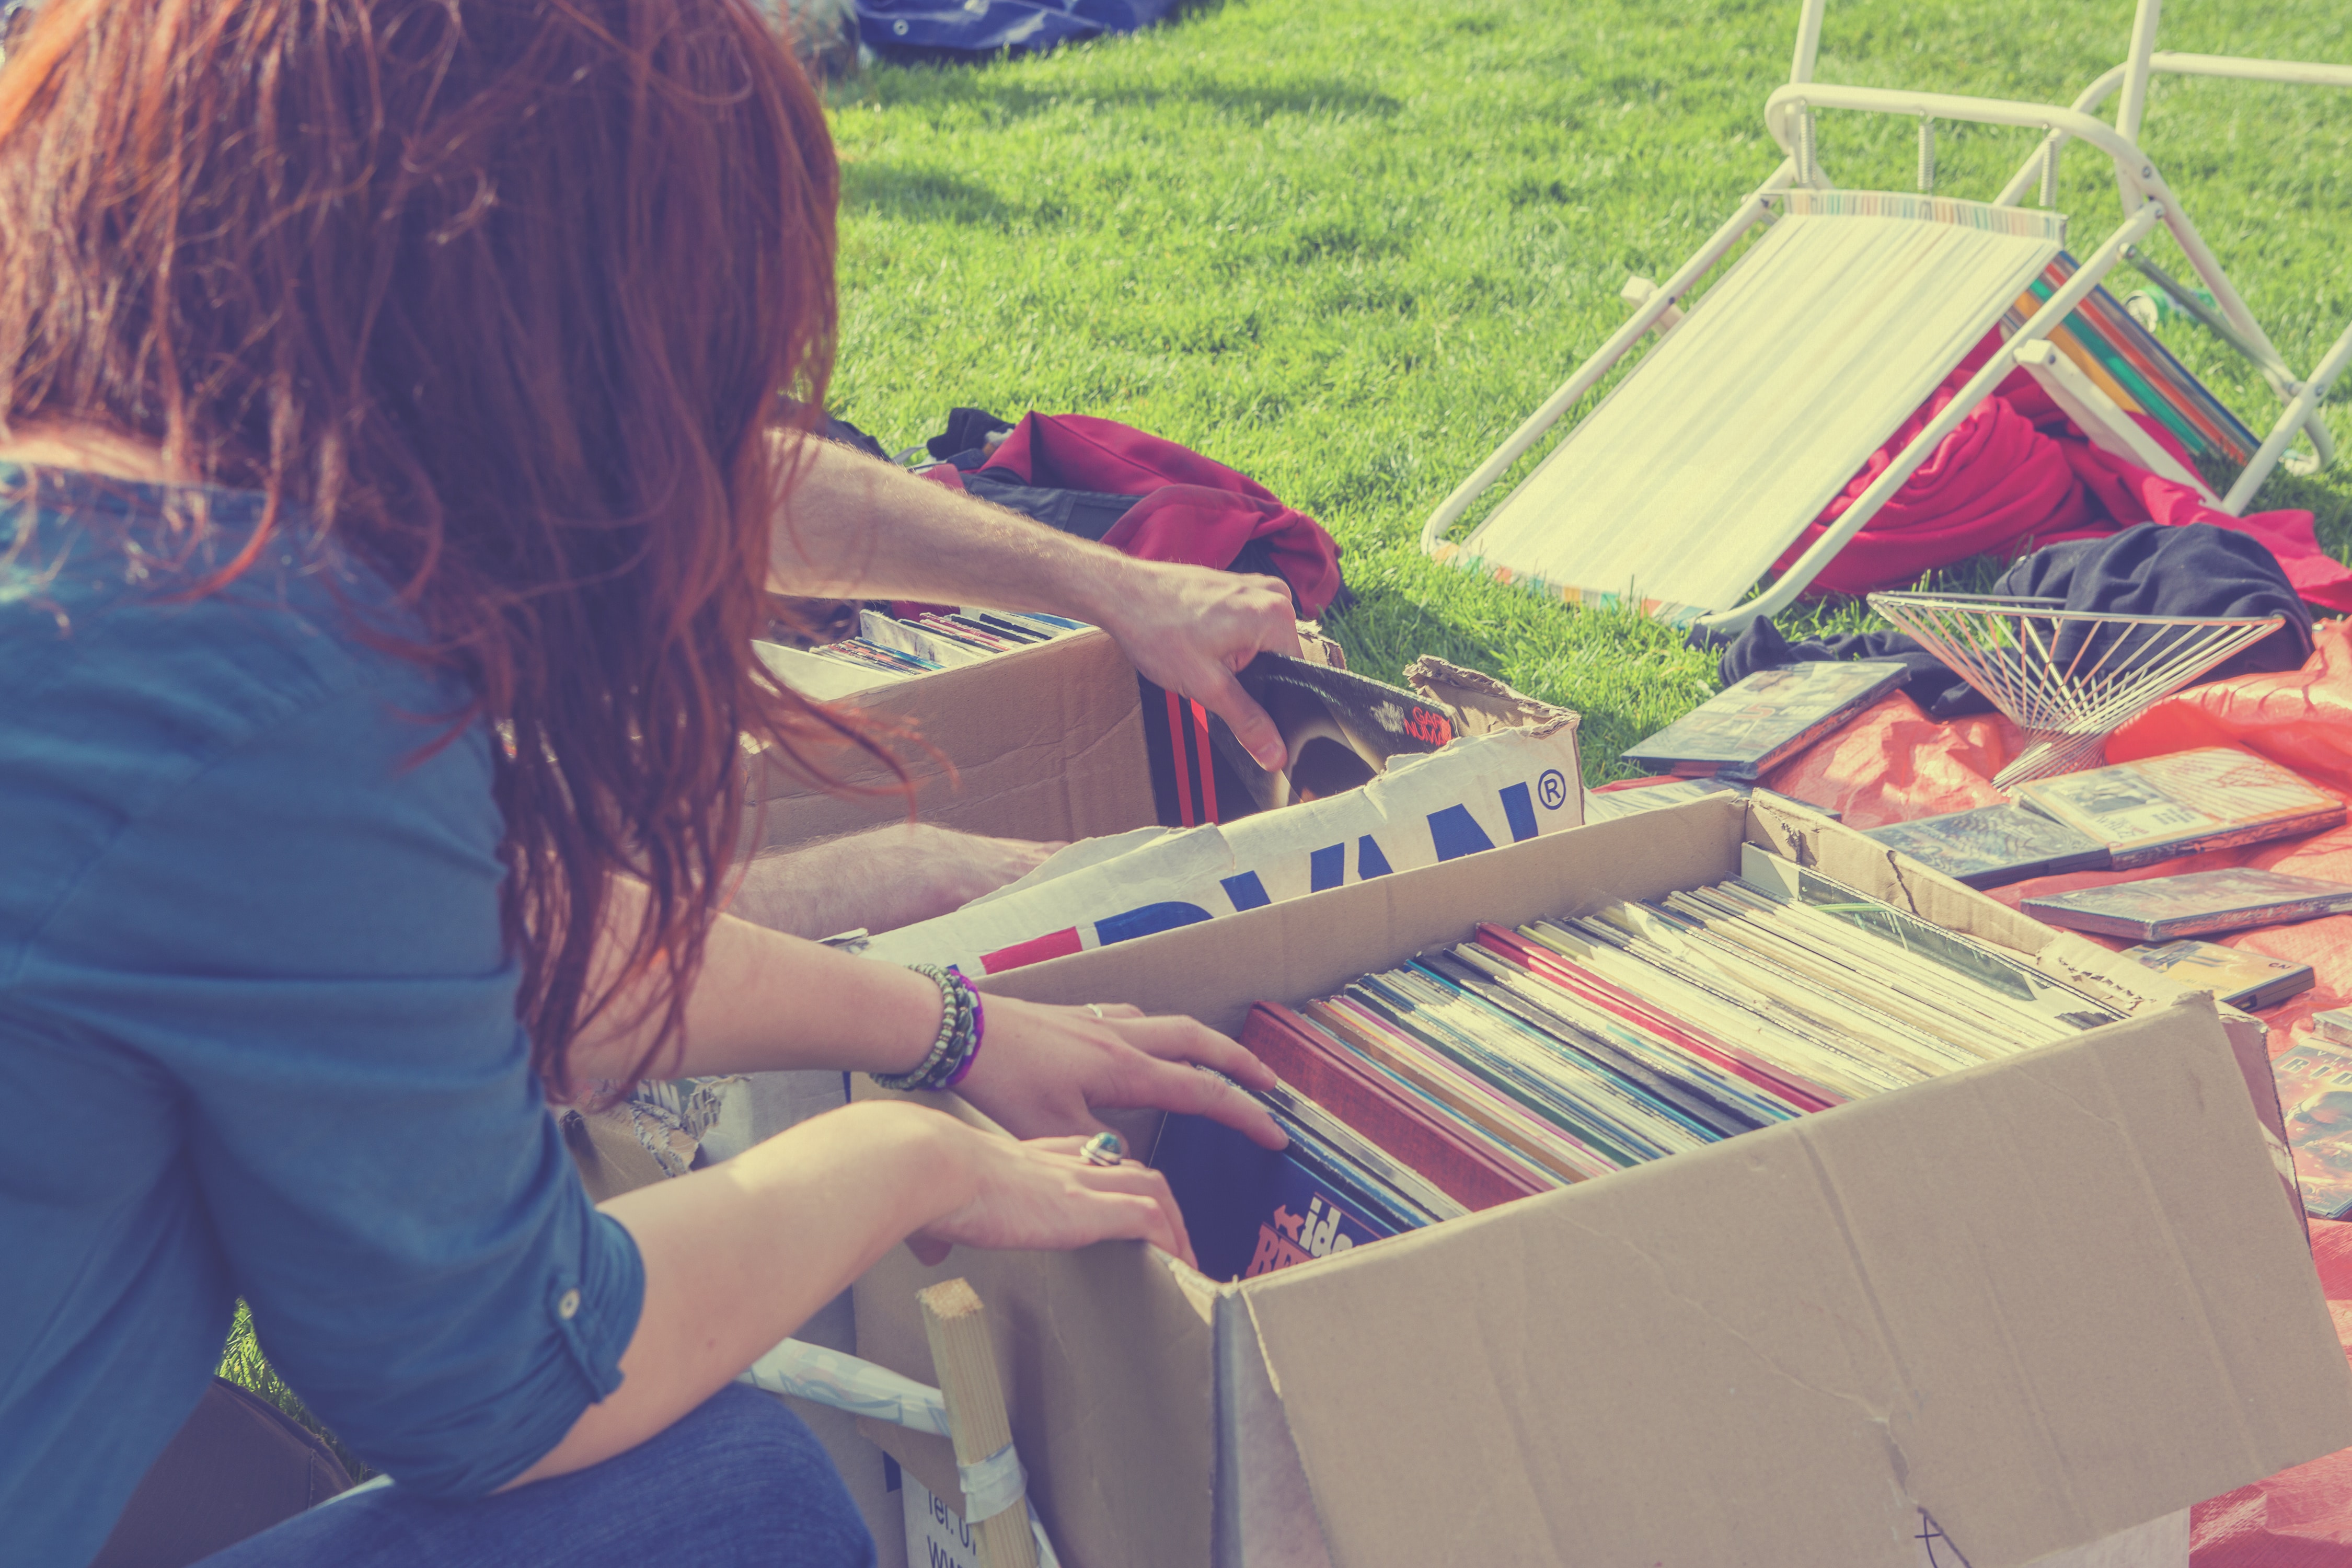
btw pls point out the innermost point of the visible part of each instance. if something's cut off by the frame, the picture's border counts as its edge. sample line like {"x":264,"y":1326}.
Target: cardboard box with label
{"x":1057,"y":742}
{"x":1997,"y":1316}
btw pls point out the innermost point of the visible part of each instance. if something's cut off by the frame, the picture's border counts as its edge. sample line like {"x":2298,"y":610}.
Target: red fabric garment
{"x":2018,"y":474}
{"x":1893,"y":763}
{"x":1193,"y":510}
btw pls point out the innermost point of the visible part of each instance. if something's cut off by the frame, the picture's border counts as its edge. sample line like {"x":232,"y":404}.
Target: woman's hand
{"x":1043,"y":1071}
{"x":1044,"y":1196}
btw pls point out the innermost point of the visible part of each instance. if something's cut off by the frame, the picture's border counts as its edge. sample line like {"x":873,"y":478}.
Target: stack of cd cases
{"x":1520,"y":1060}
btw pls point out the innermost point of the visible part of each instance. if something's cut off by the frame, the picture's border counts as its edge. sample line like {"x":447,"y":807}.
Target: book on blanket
{"x":2200,"y":903}
{"x":2314,"y":1090}
{"x":2213,"y":798}
{"x":1759,"y":720}
{"x":1994,"y":846}
{"x":2236,"y":978}
{"x":1515,"y":1062}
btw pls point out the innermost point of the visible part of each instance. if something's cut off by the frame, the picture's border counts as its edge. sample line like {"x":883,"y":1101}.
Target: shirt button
{"x":567,"y":1306}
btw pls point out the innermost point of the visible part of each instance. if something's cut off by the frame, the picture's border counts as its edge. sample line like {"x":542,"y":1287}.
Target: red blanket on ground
{"x":1895,"y":763}
{"x":2018,"y":475}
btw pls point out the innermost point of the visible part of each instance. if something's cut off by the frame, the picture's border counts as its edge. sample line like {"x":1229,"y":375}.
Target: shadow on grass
{"x":1006,"y":94}
{"x":921,"y":196}
{"x":1386,"y":630}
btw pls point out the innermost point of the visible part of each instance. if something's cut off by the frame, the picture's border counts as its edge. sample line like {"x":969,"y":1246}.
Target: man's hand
{"x":880,"y":880}
{"x":851,"y":527}
{"x":1046,"y":1071}
{"x":1189,"y":628}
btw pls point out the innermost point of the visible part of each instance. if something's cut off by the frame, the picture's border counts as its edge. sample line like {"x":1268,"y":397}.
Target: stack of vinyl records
{"x":927,"y":640}
{"x":1518,"y":1061}
{"x":888,"y":648}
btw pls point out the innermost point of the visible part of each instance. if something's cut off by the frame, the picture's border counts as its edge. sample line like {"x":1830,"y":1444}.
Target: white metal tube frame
{"x":2054,"y":311}
{"x":2303,"y":410}
{"x":2294,"y":73}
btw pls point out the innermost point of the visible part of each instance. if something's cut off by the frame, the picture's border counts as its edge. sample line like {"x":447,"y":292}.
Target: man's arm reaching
{"x":880,"y":880}
{"x":851,"y":527}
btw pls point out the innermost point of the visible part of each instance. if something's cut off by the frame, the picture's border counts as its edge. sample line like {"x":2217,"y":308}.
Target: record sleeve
{"x":1478,"y":1101}
{"x":1994,"y":846}
{"x":2198,"y":904}
{"x":1752,"y":723}
{"x":1339,"y":728}
{"x":2236,"y":978}
{"x":1997,"y":971}
{"x":1550,"y":966}
{"x":1252,"y":1210}
{"x":2314,"y":1090}
{"x":1452,"y":1154}
{"x":2214,"y":798}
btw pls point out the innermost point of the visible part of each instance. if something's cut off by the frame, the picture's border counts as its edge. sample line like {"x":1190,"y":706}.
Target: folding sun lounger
{"x":1711,"y":456}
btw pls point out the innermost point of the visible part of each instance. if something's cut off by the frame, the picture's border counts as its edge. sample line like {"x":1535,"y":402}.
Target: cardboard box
{"x":2040,"y":1304}
{"x":1054,"y":742}
{"x":1063,"y":754}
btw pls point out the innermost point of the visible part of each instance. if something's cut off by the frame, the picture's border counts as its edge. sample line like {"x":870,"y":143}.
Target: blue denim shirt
{"x":257,"y":1030}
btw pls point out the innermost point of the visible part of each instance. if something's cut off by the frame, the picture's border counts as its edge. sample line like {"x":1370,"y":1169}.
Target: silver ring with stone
{"x":1105,"y":1149}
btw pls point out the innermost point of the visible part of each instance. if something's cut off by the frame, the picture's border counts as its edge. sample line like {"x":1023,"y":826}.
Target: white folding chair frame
{"x":2133,"y":75}
{"x":2146,"y":201}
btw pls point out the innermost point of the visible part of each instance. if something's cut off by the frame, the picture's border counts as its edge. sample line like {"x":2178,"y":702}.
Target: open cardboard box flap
{"x":2042,"y":1301}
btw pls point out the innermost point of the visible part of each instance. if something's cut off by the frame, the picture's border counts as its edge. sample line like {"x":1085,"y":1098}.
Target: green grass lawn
{"x":1347,"y":246}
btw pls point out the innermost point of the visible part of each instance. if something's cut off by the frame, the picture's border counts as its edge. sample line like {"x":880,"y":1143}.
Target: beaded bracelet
{"x":979,"y":1029}
{"x":962,"y":1024}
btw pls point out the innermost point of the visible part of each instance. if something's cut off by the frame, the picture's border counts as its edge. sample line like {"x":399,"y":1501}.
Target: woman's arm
{"x":852,"y":527}
{"x":764,"y":1001}
{"x":739,"y":1255}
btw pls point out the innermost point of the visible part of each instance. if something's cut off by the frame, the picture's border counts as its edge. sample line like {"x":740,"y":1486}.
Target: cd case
{"x":1753,"y":723}
{"x":2157,"y":808}
{"x":2198,"y":904}
{"x":2314,"y":1090}
{"x":2236,"y":978}
{"x":1994,"y":846}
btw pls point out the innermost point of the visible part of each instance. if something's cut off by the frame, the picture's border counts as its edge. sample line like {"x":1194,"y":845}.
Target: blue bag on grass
{"x":986,"y":26}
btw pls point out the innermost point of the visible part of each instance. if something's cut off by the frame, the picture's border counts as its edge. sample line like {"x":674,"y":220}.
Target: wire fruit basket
{"x":2069,"y":678}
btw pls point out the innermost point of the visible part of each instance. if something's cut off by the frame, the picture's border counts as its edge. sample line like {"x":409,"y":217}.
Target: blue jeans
{"x":736,"y":1481}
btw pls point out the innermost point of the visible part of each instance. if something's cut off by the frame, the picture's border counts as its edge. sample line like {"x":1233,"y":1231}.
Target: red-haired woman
{"x":402,"y":427}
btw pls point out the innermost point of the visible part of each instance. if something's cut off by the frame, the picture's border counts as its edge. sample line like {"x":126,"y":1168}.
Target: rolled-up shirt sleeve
{"x":304,"y":940}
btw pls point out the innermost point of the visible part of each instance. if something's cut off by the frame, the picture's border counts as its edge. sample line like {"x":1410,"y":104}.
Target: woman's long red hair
{"x":509,"y":298}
